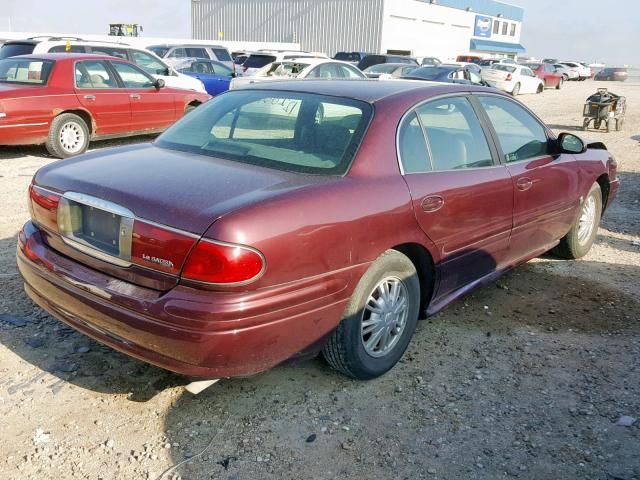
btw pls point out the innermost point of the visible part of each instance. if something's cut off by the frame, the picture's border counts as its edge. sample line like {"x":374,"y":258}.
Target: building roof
{"x":493,"y":8}
{"x":493,"y":46}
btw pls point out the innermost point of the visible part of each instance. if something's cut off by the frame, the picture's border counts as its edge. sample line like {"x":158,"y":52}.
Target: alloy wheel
{"x":384,"y":317}
{"x":587,"y":221}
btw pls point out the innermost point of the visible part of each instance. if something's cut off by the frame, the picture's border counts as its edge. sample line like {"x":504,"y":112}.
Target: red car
{"x":548,"y":74}
{"x":65,"y":100}
{"x":278,"y":221}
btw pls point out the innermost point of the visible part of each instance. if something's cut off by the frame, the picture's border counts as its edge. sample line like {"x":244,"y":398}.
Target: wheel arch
{"x":425,"y":266}
{"x":604,"y":183}
{"x":82,"y":113}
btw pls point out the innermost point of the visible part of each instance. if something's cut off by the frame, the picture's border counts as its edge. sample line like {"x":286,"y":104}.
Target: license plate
{"x":96,"y":227}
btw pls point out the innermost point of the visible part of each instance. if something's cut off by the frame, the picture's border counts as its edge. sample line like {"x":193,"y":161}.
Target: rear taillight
{"x":43,"y":206}
{"x":223,"y":263}
{"x":509,"y":77}
{"x":160,"y":248}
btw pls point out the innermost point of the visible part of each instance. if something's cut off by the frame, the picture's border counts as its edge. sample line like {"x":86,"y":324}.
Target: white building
{"x":441,"y":28}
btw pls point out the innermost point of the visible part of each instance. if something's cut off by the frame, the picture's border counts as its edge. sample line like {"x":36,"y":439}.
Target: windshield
{"x":258,"y":61}
{"x":532,"y":66}
{"x":289,"y":69}
{"x":298,"y":132}
{"x":14,"y":49}
{"x":25,"y":70}
{"x":382,"y":68}
{"x":159,"y":50}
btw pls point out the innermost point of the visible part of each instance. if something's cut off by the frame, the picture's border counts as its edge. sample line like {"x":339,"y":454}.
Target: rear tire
{"x":540,"y":88}
{"x":68,"y":136}
{"x":559,"y":86}
{"x":516,"y":90}
{"x":189,"y":108}
{"x":367,"y":344}
{"x":578,"y":241}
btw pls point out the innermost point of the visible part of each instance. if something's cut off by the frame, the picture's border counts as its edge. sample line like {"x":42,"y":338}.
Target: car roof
{"x":67,"y":56}
{"x":312,"y":61}
{"x":366,"y":90}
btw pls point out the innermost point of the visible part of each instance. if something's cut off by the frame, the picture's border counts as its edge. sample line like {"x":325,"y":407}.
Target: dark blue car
{"x":215,"y":76}
{"x":446,"y":73}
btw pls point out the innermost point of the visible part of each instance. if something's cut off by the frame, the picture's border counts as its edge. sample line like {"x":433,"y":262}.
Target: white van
{"x":146,"y":60}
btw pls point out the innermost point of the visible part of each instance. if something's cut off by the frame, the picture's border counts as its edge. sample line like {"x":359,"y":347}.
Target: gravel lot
{"x":528,"y":378}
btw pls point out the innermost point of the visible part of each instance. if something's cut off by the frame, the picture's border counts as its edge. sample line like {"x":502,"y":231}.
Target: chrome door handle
{"x":90,"y":97}
{"x":135,"y":96}
{"x":523,"y":184}
{"x":432,"y":203}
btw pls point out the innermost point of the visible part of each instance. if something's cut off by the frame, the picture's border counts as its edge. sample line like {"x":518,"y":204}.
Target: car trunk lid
{"x":149,"y":205}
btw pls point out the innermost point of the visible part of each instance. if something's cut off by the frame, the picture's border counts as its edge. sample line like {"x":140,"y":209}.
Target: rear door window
{"x":94,"y":74}
{"x":221,"y":54}
{"x":111,"y":51}
{"x":521,"y":136}
{"x":196,"y":52}
{"x":454,"y":135}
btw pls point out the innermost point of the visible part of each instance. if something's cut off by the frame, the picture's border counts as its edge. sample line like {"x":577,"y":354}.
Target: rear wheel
{"x":540,"y":88}
{"x":190,"y":108}
{"x":68,"y":136}
{"x":379,"y":320}
{"x":559,"y":86}
{"x":584,"y":230}
{"x":516,"y":89}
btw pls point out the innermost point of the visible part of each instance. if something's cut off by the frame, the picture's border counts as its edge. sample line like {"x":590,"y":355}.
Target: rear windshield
{"x":532,"y":66}
{"x":13,"y":49}
{"x":286,"y":69}
{"x":503,"y":67}
{"x":347,"y":56}
{"x":25,"y":70}
{"x":382,"y":68}
{"x":298,"y":132}
{"x":222,"y":54}
{"x":258,"y":61}
{"x":159,"y":50}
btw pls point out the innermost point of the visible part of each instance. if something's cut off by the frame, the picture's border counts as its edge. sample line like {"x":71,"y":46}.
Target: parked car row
{"x":66,"y":100}
{"x":145,"y":59}
{"x":302,"y":217}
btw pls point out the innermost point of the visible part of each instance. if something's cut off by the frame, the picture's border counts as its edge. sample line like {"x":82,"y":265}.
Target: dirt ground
{"x":527,"y":378}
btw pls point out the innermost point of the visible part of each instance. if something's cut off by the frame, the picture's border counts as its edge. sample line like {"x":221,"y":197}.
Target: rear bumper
{"x":189,"y":331}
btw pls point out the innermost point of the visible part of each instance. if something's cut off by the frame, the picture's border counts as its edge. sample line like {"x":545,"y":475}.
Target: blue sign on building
{"x":483,"y":26}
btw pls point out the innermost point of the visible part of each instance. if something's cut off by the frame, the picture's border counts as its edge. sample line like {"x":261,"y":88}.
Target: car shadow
{"x":288,"y":422}
{"x":19,"y":151}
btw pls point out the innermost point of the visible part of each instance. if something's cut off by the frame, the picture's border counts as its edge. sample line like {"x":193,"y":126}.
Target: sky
{"x":583,"y":30}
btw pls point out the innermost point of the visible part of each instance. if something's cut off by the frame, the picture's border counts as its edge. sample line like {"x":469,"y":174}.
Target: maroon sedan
{"x":305,"y":216}
{"x":548,"y":74}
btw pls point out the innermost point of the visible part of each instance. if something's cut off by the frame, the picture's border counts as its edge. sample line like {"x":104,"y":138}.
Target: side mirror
{"x":159,"y":83}
{"x":569,"y":143}
{"x":234,"y":74}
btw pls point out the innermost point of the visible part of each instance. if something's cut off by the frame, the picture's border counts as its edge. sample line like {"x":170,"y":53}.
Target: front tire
{"x":68,"y":136}
{"x":379,"y":320}
{"x":578,"y":241}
